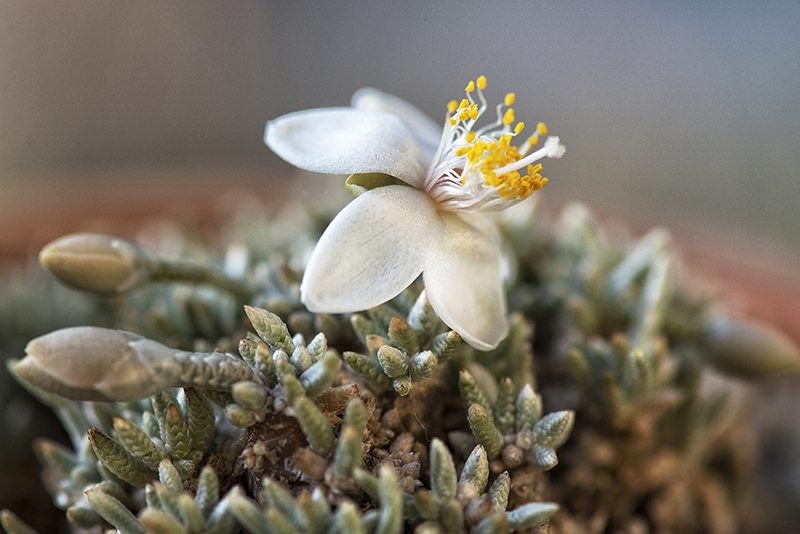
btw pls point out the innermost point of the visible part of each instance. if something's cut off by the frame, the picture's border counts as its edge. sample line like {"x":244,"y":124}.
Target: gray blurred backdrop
{"x":680,"y":110}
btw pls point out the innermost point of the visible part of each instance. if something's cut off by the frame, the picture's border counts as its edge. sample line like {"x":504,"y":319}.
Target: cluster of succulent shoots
{"x":233,"y":408}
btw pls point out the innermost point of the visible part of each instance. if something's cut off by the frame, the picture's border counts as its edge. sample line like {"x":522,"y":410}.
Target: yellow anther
{"x":533,"y":140}
{"x":481,"y":82}
{"x":541,"y":128}
{"x":461,"y":151}
{"x":453,"y":121}
{"x":510,"y":97}
{"x":533,"y":169}
{"x":470,"y":87}
{"x":452,"y":105}
{"x":518,"y":128}
{"x":470,"y":136}
{"x":464,"y":104}
{"x":508,"y":118}
{"x":473,"y":111}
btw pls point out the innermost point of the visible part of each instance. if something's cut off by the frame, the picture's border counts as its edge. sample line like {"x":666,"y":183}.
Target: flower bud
{"x":751,"y":350}
{"x":97,"y":263}
{"x":97,"y":364}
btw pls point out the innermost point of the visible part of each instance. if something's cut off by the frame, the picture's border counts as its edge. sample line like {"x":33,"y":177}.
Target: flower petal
{"x":423,"y":128}
{"x":464,"y":283}
{"x":372,"y":250}
{"x":347,"y":141}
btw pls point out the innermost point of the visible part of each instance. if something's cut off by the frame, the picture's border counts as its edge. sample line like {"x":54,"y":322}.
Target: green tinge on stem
{"x":178,"y":271}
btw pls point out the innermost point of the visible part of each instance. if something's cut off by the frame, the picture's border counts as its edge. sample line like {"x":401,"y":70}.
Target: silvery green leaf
{"x":13,"y":524}
{"x":402,"y":335}
{"x":270,"y":328}
{"x":320,"y":376}
{"x":119,"y":461}
{"x":169,"y":476}
{"x":347,"y":519}
{"x":476,"y":469}
{"x":422,"y":318}
{"x":484,"y":430}
{"x":443,"y":471}
{"x":300,"y":359}
{"x":318,"y":346}
{"x":496,"y":523}
{"x":452,"y":516}
{"x":445,"y":345}
{"x":393,"y":361}
{"x":423,"y":365}
{"x":391,"y":499}
{"x":367,"y":368}
{"x":207,"y":495}
{"x":190,"y":513}
{"x":83,"y":516}
{"x":315,"y":425}
{"x":160,"y":522}
{"x":530,"y":514}
{"x":200,"y":419}
{"x":505,"y":408}
{"x":179,"y":444}
{"x":249,"y":395}
{"x":542,"y":457}
{"x":500,"y":490}
{"x":114,"y":512}
{"x":138,"y":443}
{"x":238,"y":416}
{"x":247,"y":512}
{"x":554,"y":429}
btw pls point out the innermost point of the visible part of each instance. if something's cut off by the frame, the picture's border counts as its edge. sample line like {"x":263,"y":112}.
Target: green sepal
{"x":360,"y":183}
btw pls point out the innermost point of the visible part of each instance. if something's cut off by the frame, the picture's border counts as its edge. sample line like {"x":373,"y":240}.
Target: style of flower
{"x":428,"y":219}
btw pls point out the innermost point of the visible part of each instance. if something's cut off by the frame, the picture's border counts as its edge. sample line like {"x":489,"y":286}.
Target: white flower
{"x":381,"y":242}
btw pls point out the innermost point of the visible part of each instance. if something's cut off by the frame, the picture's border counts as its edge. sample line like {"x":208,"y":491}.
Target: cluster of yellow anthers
{"x":489,"y":152}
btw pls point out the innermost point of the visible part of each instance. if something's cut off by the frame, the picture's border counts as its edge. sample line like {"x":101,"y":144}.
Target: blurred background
{"x":683,"y":113}
{"x":676,"y":113}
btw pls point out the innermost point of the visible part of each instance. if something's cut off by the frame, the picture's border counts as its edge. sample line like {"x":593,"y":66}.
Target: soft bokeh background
{"x":685,"y":112}
{"x":673,"y":112}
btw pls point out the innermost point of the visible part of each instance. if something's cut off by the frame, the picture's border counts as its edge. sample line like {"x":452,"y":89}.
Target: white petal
{"x":464,"y":283}
{"x":347,"y":141}
{"x":423,"y":128}
{"x":372,"y":250}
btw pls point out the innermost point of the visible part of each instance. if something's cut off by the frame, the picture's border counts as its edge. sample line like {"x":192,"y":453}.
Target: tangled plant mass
{"x":229,"y":396}
{"x":381,"y":242}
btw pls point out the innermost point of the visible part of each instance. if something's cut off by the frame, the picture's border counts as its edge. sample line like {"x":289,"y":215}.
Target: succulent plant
{"x":214,"y":402}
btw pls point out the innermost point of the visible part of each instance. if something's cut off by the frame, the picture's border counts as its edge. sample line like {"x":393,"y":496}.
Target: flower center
{"x":479,"y":169}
